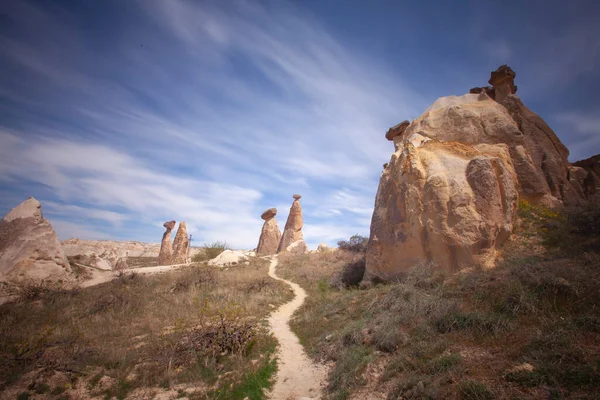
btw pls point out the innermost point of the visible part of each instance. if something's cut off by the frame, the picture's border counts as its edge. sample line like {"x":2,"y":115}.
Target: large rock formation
{"x":539,"y":157}
{"x":180,"y":245}
{"x":585,"y":176}
{"x":165,"y":256}
{"x":270,"y":235}
{"x":29,"y":247}
{"x":450,"y":191}
{"x":293,"y":227}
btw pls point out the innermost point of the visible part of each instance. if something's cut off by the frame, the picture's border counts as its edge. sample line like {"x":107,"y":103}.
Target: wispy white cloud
{"x":201,"y":112}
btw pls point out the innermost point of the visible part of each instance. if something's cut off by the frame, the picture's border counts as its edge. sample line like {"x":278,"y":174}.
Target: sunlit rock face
{"x":450,"y":192}
{"x":29,"y":247}
{"x":165,"y":256}
{"x":180,"y":245}
{"x":270,"y":235}
{"x":293,"y":227}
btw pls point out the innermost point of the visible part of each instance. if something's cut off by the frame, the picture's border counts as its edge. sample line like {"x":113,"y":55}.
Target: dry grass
{"x":196,"y":330}
{"x":457,"y":337}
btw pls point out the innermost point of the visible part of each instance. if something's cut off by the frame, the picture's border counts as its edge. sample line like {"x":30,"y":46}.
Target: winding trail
{"x":298,"y":378}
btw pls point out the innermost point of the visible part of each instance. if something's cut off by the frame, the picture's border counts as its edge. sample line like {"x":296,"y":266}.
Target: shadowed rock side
{"x":29,"y":247}
{"x":165,"y":256}
{"x":180,"y":244}
{"x":270,"y":235}
{"x":585,"y":176}
{"x":293,"y":227}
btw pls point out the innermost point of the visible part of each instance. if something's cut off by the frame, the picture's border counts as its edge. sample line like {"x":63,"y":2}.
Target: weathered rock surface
{"x":397,"y":130}
{"x":450,"y":191}
{"x":293,"y":227}
{"x":180,"y":245}
{"x":446,"y":202}
{"x":165,"y":257}
{"x":231,"y":257}
{"x":296,"y":248}
{"x":270,"y":235}
{"x":268,"y":214}
{"x":29,"y":247}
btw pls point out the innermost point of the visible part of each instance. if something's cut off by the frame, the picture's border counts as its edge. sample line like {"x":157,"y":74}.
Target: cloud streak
{"x":201,"y":112}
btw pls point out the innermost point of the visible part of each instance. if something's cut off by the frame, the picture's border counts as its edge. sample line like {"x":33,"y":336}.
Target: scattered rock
{"x":165,"y":257}
{"x":525,"y":367}
{"x":270,"y":235}
{"x":293,"y":227}
{"x":180,"y":245}
{"x":29,"y":247}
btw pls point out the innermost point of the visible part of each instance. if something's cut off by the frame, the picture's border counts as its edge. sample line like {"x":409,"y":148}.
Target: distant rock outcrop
{"x":270,"y":235}
{"x":165,"y":257}
{"x":74,"y":247}
{"x":293,"y":227}
{"x":450,"y":192}
{"x":180,"y":245}
{"x":29,"y":247}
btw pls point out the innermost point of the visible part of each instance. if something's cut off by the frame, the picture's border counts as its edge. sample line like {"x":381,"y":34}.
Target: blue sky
{"x":120,"y":115}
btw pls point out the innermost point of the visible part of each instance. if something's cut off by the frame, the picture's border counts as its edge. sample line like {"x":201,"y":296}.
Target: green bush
{"x":210,"y":251}
{"x":356,"y":244}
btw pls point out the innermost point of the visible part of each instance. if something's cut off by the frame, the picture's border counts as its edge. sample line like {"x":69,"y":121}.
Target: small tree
{"x":356,"y":244}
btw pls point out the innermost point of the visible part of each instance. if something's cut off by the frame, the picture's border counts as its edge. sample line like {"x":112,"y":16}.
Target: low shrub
{"x":210,"y":251}
{"x":473,"y":390}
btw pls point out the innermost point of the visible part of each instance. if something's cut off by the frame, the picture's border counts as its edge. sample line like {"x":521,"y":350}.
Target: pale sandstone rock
{"x":446,"y":202}
{"x":94,"y":260}
{"x":323,"y":248}
{"x":270,"y":235}
{"x":180,"y":244}
{"x":231,"y":257}
{"x":75,"y":247}
{"x":293,"y":227}
{"x":165,"y":257}
{"x":538,"y":156}
{"x":298,"y":247}
{"x":29,"y":247}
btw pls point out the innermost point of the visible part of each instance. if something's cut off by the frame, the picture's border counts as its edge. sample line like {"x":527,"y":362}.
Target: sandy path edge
{"x":297,"y":376}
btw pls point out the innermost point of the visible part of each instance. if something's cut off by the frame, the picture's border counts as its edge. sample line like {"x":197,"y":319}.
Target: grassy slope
{"x":198,"y":331}
{"x":446,"y":337}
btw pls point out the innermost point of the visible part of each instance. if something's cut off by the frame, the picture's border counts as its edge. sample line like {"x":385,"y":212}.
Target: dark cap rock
{"x":170,"y":224}
{"x":270,"y":213}
{"x":397,"y":130}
